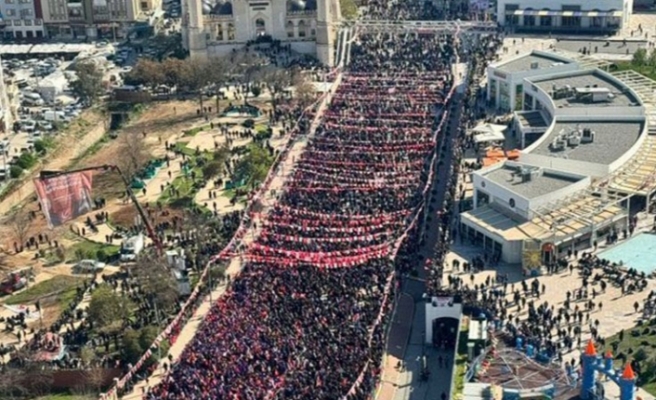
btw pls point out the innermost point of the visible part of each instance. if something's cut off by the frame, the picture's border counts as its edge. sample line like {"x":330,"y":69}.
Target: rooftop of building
{"x":535,"y":185}
{"x":621,"y":96}
{"x":532,"y":119}
{"x":610,"y":140}
{"x":531,"y":61}
{"x":45,"y":48}
{"x":602,"y":46}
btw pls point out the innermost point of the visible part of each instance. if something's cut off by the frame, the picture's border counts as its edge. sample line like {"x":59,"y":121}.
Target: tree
{"x":88,"y":85}
{"x":277,"y":81}
{"x":132,"y":154}
{"x":303,"y":90}
{"x":249,"y":66}
{"x":131,"y":347}
{"x":107,"y":309}
{"x":652,"y":59}
{"x":254,"y":166}
{"x":219,"y":73}
{"x":20,"y":223}
{"x":195,"y":75}
{"x":639,"y":57}
{"x":172,"y":68}
{"x":156,"y":282}
{"x":146,"y":72}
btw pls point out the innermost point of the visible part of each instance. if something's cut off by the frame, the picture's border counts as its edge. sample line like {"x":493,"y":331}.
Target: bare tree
{"x":156,"y":281}
{"x":304,"y":91}
{"x":277,"y":81}
{"x":195,"y":75}
{"x":132,"y":154}
{"x":20,"y":223}
{"x":219,"y":72}
{"x":249,"y":66}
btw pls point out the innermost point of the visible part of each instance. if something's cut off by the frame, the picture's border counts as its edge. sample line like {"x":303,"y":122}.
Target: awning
{"x":549,"y":13}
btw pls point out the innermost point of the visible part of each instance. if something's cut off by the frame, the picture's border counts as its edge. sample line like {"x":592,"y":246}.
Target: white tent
{"x":486,"y":132}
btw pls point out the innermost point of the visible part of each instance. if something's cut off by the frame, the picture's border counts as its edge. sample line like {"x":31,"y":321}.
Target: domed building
{"x":213,"y":28}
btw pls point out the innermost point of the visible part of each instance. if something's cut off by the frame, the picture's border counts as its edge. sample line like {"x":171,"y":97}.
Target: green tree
{"x":277,"y":81}
{"x":639,"y":57}
{"x":15,"y":171}
{"x":131,"y":349}
{"x":88,"y":85}
{"x":652,"y":59}
{"x":254,"y":166}
{"x":107,"y":308}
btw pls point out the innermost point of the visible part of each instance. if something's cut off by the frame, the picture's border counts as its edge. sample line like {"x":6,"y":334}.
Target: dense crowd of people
{"x":305,"y":317}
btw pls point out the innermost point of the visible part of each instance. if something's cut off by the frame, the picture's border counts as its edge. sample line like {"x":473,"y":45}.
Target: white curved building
{"x":216,"y":28}
{"x":583,"y":133}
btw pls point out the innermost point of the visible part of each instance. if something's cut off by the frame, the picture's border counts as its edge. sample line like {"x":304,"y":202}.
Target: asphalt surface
{"x":409,"y":326}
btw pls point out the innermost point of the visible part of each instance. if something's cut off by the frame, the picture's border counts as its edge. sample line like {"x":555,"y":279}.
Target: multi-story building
{"x":93,"y":18}
{"x":566,"y":16}
{"x":215,"y":29}
{"x":21,"y":19}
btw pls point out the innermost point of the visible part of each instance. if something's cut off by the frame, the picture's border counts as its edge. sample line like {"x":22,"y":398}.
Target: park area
{"x":193,"y":171}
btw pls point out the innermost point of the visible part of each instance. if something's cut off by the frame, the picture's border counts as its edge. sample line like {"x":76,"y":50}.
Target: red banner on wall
{"x":64,"y":197}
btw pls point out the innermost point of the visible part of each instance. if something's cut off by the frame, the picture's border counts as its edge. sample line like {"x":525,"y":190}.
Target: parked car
{"x":88,"y":267}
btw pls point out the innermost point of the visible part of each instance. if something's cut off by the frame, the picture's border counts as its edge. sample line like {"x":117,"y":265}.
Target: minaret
{"x":196,"y":30}
{"x":326,"y":18}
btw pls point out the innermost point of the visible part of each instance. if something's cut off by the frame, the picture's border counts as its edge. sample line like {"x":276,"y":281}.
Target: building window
{"x":11,"y":12}
{"x":301,"y":29}
{"x":529,"y":20}
{"x":511,"y":18}
{"x":9,"y":1}
{"x":27,"y":22}
{"x":260,"y":27}
{"x":313,"y":32}
{"x":144,"y":5}
{"x":546,"y":20}
{"x":290,"y":29}
{"x":219,"y":32}
{"x":231,"y":31}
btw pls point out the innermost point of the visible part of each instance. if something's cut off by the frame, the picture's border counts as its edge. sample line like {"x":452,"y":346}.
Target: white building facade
{"x":216,"y":29}
{"x":571,"y":16}
{"x":21,"y":19}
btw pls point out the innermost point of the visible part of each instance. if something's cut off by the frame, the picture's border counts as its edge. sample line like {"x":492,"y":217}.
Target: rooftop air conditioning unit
{"x":574,"y":140}
{"x":558,"y":145}
{"x":587,"y":136}
{"x":535,"y":65}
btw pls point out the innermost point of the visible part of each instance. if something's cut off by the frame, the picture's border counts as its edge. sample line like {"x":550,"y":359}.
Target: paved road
{"x":409,"y":386}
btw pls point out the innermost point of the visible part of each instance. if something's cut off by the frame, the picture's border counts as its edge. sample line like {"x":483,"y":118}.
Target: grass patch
{"x":184,"y":185}
{"x":638,"y":344}
{"x":91,"y":150}
{"x":646,"y":70}
{"x":87,"y":249}
{"x":194,"y":131}
{"x":64,"y":285}
{"x":182,"y":148}
{"x":348,"y":8}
